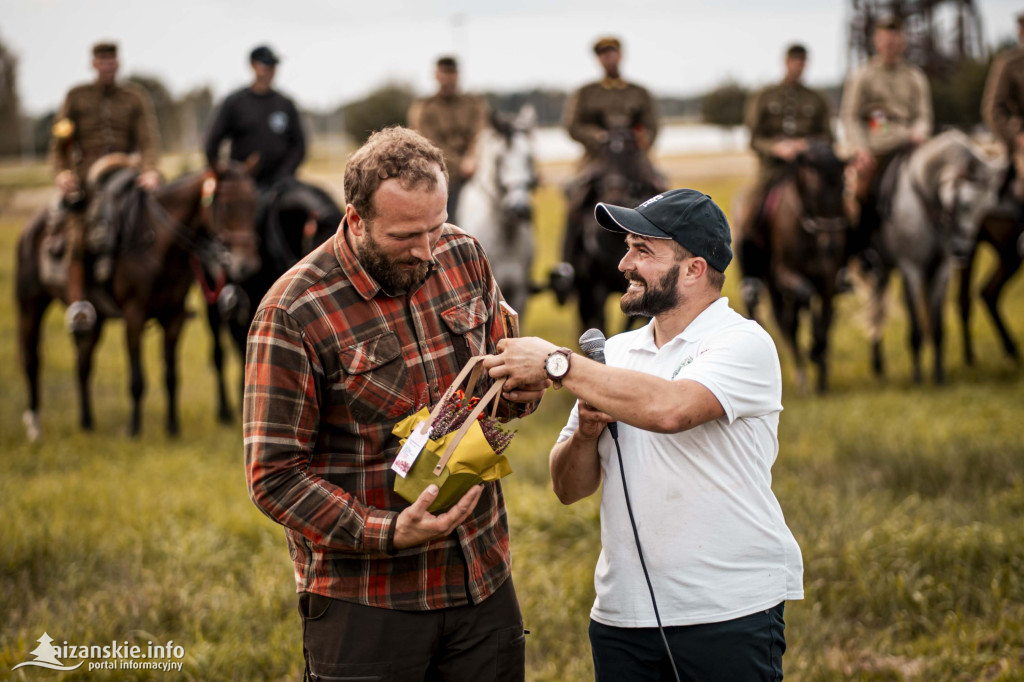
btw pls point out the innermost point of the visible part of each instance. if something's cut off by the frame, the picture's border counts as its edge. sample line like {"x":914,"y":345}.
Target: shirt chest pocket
{"x":374,"y":379}
{"x":467,"y":324}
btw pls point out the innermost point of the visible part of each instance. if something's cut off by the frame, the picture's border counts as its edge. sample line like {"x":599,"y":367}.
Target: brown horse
{"x":806,"y":224}
{"x":1003,"y":229}
{"x":161,"y":236}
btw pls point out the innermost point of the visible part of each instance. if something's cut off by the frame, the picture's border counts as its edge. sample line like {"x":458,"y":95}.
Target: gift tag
{"x":414,"y":445}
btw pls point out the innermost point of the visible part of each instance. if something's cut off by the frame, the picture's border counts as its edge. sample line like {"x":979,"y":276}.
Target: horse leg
{"x":965,"y":306}
{"x":877,"y":313}
{"x":912,"y":292}
{"x":134,"y":322}
{"x":936,"y":297}
{"x":1009,"y":263}
{"x":85,"y":345}
{"x":213,"y":317}
{"x":172,"y":332}
{"x":787,"y":316}
{"x":30,"y":329}
{"x":822,"y":322}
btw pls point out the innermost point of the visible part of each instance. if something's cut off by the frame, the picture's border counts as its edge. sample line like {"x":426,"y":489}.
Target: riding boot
{"x":81,"y":315}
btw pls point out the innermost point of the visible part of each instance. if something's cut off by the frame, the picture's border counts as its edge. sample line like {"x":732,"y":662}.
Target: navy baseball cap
{"x":689,"y":217}
{"x":263,"y":55}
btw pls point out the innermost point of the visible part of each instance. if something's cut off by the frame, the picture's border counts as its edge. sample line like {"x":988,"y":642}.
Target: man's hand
{"x":415,"y":525}
{"x":148,"y":180}
{"x":1018,"y":141}
{"x":917,"y":137}
{"x":863,"y":159}
{"x":527,"y":393}
{"x":522,"y":361}
{"x":67,"y":182}
{"x":468,"y":166}
{"x":787,"y":150}
{"x":592,"y":421}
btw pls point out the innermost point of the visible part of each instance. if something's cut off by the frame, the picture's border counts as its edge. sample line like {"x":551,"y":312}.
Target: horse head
{"x":515,"y":173}
{"x":958,"y":187}
{"x":229,"y":202}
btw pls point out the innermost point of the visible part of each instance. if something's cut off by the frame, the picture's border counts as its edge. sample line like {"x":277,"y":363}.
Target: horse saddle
{"x":295,"y":218}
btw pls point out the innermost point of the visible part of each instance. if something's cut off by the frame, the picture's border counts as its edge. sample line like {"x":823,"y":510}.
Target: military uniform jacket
{"x":883,"y":104}
{"x":607,"y":104}
{"x":1002,"y":106}
{"x":452,"y":122}
{"x":96,"y":120}
{"x":785,"y":111}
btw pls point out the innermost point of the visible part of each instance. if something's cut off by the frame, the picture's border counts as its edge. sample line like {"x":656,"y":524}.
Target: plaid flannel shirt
{"x":333,"y":363}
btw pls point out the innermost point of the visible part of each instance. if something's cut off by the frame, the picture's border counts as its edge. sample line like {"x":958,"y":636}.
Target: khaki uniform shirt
{"x":1002,"y":106}
{"x":96,"y":120}
{"x":882,"y":105}
{"x":606,"y":104}
{"x":781,"y":112}
{"x":452,"y":123}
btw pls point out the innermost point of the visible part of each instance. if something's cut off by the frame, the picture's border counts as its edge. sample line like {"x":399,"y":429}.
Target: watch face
{"x":557,"y":365}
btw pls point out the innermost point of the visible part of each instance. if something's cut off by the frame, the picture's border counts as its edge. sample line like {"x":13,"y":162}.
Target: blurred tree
{"x":723,"y":106}
{"x":165,"y":108}
{"x":10,"y":119}
{"x":194,"y":110}
{"x":387,"y":105}
{"x":956,"y":100}
{"x":41,"y":130}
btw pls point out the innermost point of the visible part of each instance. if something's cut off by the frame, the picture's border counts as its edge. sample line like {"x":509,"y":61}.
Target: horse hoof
{"x":80,"y":317}
{"x":31,"y":421}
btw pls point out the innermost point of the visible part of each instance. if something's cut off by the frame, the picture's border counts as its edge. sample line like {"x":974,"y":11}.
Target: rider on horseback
{"x":783,"y":120}
{"x":592,"y":115}
{"x":886,"y":110}
{"x":1002,"y":107}
{"x":97,"y":119}
{"x":452,"y":120}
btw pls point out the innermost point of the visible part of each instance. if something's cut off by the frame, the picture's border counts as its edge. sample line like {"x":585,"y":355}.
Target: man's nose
{"x":421,"y":249}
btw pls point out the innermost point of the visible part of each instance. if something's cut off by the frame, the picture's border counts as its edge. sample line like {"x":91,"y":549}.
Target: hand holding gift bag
{"x":455,"y":446}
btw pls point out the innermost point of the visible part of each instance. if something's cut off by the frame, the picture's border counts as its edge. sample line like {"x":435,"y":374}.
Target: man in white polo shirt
{"x":697,"y":395}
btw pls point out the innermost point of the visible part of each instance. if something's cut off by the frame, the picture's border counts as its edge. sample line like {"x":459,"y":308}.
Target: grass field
{"x":907,"y":501}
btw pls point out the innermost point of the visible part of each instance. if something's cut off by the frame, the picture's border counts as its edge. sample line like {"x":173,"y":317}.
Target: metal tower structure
{"x":940,"y":33}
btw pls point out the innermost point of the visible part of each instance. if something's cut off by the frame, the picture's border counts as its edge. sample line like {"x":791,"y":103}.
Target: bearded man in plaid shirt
{"x":369,"y":328}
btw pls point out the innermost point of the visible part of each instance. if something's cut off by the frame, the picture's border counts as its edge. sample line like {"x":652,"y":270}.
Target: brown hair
{"x":394,"y":152}
{"x":715,"y":278}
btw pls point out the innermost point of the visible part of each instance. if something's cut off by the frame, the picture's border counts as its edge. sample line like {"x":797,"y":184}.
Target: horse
{"x":940,"y":195}
{"x":160,"y":234}
{"x":295,"y":218}
{"x":622,"y":176}
{"x":1003,"y":229}
{"x":804,"y":216}
{"x":495,"y":204}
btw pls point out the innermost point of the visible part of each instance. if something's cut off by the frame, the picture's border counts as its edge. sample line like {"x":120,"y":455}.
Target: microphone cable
{"x":592,"y":344}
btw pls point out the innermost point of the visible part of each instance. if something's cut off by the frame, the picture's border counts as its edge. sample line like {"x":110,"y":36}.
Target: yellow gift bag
{"x":456,"y":461}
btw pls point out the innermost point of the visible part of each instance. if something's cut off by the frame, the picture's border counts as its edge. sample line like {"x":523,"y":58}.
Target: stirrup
{"x":80,"y":317}
{"x":750,"y":290}
{"x":561,"y":279}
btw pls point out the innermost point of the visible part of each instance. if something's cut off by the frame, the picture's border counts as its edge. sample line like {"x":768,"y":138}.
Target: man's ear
{"x":355,"y":222}
{"x":696,"y":268}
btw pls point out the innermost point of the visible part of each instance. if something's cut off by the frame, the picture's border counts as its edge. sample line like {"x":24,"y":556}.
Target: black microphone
{"x":592,"y":344}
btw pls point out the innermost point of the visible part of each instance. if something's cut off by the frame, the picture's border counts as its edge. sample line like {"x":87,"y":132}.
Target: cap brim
{"x":621,"y":219}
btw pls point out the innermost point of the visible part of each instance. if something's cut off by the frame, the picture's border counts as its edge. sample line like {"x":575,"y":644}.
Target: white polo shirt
{"x":714,"y":538}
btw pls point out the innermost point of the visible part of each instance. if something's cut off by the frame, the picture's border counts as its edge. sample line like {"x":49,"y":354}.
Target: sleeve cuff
{"x":379,"y":532}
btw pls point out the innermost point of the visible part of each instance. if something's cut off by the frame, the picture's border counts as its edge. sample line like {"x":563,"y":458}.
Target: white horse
{"x":940,"y":197}
{"x":495,"y":205}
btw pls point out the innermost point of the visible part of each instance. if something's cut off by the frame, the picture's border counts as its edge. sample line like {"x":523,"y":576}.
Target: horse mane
{"x":935,"y":156}
{"x":108,"y":164}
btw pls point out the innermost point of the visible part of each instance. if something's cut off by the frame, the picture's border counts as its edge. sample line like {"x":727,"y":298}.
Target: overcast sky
{"x":336,"y":50}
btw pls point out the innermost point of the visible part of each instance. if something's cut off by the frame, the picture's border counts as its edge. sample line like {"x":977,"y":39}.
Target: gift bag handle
{"x":474,"y":362}
{"x":492,"y":394}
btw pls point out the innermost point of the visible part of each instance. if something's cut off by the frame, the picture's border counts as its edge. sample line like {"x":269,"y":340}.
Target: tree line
{"x":184,"y":119}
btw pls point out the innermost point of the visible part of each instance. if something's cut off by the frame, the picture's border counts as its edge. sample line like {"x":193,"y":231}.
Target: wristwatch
{"x":557,"y":365}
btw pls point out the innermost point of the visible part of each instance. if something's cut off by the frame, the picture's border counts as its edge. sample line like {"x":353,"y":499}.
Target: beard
{"x":390,"y":273}
{"x":651,"y":301}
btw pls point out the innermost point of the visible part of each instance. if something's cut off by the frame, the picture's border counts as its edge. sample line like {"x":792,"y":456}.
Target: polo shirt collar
{"x":705,"y":322}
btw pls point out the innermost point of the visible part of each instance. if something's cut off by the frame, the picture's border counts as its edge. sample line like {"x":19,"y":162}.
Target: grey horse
{"x":940,"y":196}
{"x":495,"y":205}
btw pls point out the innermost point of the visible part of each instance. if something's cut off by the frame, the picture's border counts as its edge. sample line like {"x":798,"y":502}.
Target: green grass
{"x":906,"y":500}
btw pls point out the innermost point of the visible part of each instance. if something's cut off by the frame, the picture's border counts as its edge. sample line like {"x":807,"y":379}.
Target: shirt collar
{"x":366,"y":286}
{"x":364,"y":283}
{"x":613,"y":83}
{"x":695,"y":331}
